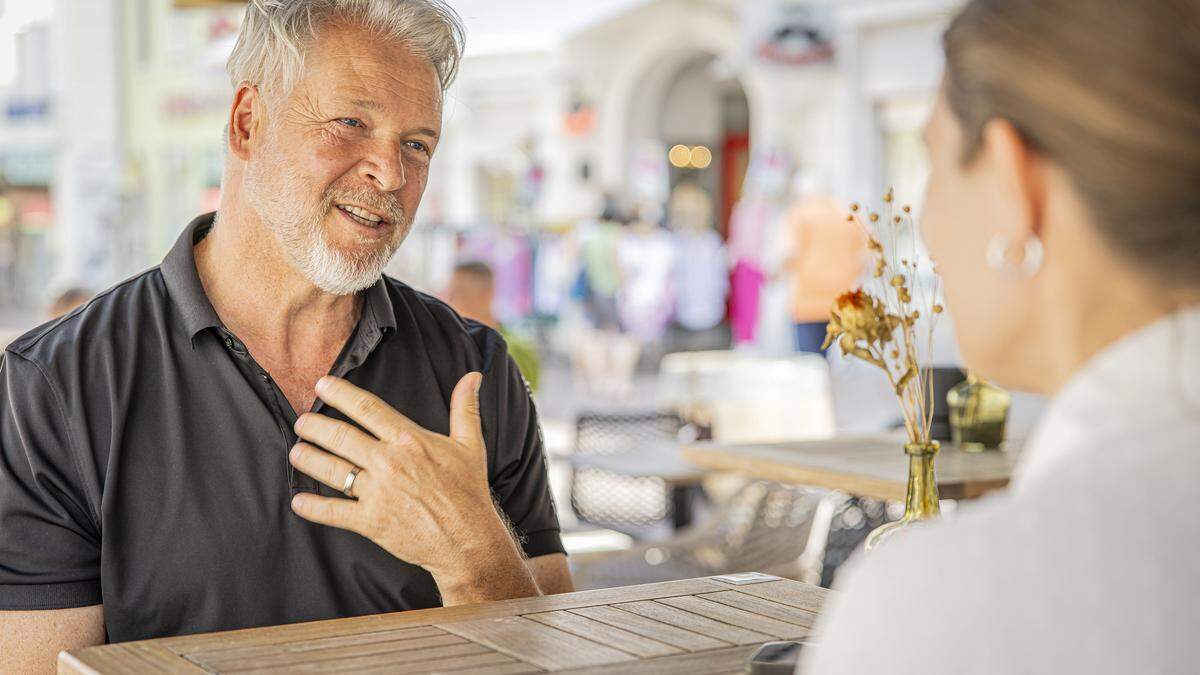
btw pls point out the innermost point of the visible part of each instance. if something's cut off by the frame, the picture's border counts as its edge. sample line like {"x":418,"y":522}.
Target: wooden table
{"x":691,"y":627}
{"x":866,"y":466}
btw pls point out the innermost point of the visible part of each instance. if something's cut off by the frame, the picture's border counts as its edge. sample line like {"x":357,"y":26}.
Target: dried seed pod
{"x":874,"y":217}
{"x":898,"y":281}
{"x":907,"y":208}
{"x":938,"y":309}
{"x":854,"y":207}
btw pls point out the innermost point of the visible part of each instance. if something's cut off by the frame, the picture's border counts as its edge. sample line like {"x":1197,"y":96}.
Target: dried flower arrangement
{"x":878,"y":322}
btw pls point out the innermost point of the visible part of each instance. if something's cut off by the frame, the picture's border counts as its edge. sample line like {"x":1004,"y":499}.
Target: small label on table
{"x":746,"y":578}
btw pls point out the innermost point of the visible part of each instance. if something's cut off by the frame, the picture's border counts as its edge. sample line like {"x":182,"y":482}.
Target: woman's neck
{"x":1099,"y":315}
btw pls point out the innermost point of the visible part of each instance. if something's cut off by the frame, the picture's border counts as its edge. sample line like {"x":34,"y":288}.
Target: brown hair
{"x":1110,"y":91}
{"x":477,"y":269}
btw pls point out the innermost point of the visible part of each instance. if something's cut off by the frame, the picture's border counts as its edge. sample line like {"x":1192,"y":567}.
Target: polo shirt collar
{"x":377,"y":303}
{"x":183,"y":282}
{"x":187,"y":293}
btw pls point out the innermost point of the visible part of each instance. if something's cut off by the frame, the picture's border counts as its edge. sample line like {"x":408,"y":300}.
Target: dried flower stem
{"x":879,"y":324}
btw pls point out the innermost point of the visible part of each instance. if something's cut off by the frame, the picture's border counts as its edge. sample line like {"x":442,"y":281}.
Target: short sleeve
{"x":520,"y":480}
{"x":49,"y":540}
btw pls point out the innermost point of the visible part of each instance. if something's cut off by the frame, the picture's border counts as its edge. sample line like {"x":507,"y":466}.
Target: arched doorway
{"x":695,"y":101}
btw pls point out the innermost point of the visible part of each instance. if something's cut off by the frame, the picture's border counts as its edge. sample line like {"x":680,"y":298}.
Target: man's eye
{"x":351,"y":122}
{"x":419,"y":146}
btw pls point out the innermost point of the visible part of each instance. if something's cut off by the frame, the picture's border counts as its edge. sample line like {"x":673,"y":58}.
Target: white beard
{"x":286,"y":204}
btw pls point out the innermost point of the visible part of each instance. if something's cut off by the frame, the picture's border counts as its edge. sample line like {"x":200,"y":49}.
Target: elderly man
{"x":264,"y":429}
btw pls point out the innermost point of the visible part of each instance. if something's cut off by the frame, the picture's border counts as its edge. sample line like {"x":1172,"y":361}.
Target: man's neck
{"x":263,"y":300}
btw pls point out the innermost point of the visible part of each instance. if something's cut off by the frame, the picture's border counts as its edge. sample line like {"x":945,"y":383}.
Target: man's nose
{"x":384,"y":168}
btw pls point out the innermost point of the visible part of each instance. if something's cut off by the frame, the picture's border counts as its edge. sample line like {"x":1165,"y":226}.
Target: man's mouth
{"x":361,"y":215}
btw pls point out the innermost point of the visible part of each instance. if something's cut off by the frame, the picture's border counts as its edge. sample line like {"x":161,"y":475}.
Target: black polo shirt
{"x":143,"y":460}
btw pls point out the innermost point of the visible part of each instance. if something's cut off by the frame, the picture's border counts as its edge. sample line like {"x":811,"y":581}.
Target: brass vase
{"x":921,"y":503}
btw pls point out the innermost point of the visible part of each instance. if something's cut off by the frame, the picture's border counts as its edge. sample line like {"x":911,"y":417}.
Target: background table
{"x":866,"y":466}
{"x":691,"y":627}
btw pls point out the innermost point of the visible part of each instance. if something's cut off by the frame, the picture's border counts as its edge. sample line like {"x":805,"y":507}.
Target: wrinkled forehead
{"x":347,"y":60}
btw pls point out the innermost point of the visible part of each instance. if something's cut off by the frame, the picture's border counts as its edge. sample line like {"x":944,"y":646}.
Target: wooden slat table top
{"x":690,"y":627}
{"x":867,"y":466}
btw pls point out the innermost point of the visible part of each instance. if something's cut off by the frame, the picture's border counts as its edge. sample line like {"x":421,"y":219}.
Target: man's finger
{"x":331,"y":511}
{"x":341,"y":438}
{"x":363,"y":407}
{"x":325,"y":467}
{"x":465,"y":426}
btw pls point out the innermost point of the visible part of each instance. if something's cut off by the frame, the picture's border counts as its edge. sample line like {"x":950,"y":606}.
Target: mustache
{"x":387,"y":205}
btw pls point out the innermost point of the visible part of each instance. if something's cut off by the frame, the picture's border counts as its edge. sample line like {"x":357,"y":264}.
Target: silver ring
{"x":350,"y":481}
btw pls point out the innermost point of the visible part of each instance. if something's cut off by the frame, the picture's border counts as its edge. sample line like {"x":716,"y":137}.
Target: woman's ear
{"x":245,"y":120}
{"x":1019,"y":176}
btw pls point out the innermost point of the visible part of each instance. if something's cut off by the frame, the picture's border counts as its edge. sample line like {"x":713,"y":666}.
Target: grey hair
{"x":276,"y":33}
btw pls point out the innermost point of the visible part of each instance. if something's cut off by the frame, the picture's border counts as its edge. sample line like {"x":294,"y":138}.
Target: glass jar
{"x":978,"y":414}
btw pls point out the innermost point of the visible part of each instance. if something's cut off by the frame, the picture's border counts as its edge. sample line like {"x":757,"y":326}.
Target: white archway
{"x":645,"y":73}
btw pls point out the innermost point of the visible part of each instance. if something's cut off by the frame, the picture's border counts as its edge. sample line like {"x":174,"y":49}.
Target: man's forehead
{"x":377,"y":75}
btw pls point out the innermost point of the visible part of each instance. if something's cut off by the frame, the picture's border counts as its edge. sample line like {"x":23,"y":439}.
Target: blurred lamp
{"x":680,"y":156}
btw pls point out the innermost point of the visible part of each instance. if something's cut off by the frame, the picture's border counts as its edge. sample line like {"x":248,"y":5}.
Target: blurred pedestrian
{"x":472,"y":293}
{"x":701,"y":263}
{"x":645,"y":299}
{"x":826,"y":258}
{"x":68,"y":300}
{"x":602,"y":351}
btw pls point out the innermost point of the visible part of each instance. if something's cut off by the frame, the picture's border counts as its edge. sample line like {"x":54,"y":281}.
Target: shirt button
{"x":265,"y":377}
{"x":229,"y":343}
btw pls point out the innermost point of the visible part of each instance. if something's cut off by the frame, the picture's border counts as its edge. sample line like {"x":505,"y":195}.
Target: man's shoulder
{"x":119,"y":312}
{"x":431,"y":314}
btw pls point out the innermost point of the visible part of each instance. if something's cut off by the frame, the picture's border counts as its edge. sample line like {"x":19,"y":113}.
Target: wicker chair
{"x":853,"y":519}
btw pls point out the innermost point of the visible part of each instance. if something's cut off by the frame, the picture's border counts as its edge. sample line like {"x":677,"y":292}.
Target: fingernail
{"x":296,"y":500}
{"x":322,"y":383}
{"x":294,"y":454}
{"x":299,"y":423}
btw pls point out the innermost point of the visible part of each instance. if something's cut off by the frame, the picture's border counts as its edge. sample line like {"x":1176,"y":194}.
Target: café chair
{"x":763,"y":527}
{"x":626,"y":473}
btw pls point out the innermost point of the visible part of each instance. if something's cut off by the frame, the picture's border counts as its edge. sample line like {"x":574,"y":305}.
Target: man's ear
{"x":1019,"y":174}
{"x":245,"y":120}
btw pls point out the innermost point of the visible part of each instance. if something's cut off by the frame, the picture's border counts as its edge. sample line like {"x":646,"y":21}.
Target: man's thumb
{"x":465,"y":426}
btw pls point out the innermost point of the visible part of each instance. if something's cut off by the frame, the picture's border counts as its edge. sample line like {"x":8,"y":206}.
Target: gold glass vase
{"x":978,"y":414}
{"x":921,"y":503}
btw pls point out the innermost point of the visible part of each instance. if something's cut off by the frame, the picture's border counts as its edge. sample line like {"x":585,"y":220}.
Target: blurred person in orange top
{"x":826,"y":258}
